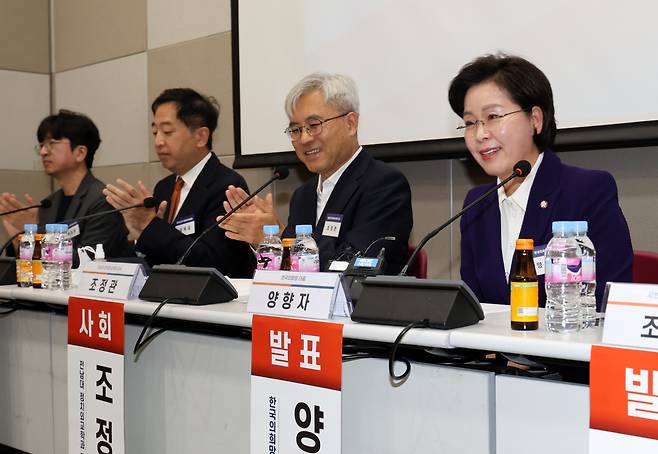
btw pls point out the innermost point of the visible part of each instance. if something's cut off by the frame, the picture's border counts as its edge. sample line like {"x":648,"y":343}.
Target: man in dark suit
{"x":191,"y":198}
{"x":67,"y":145}
{"x":353,"y":199}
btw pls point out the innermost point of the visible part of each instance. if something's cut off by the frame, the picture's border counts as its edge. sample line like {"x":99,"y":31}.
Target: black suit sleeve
{"x":384,"y":209}
{"x":380,"y":206}
{"x":161,"y":242}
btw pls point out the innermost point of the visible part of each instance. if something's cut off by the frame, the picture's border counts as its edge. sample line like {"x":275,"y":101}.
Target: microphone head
{"x":281,"y":173}
{"x":46,"y":203}
{"x":150,"y":202}
{"x":522,"y":168}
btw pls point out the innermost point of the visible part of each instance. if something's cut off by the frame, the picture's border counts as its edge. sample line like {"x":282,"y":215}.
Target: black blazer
{"x":109,"y":229}
{"x":374,"y":200}
{"x":162,"y":243}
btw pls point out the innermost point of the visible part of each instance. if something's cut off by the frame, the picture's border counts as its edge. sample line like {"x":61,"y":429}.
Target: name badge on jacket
{"x":539,"y":255}
{"x":74,"y":230}
{"x":185,"y":225}
{"x":332,"y":225}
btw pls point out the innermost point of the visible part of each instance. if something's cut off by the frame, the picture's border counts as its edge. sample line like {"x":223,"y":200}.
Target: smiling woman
{"x":506,"y":104}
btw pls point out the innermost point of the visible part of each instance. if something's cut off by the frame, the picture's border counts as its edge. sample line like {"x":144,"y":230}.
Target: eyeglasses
{"x":492,"y":121}
{"x":49,"y":144}
{"x":312,"y":128}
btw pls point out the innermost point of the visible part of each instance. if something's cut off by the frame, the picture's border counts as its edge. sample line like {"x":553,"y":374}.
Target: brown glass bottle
{"x":285,"y":257}
{"x":37,"y":268}
{"x":524,"y":288}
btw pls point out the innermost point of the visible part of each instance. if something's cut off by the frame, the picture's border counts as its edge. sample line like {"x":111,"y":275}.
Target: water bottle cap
{"x":303,"y":229}
{"x":50,"y":227}
{"x":581,"y":227}
{"x":288,"y":242}
{"x":564,"y":227}
{"x":30,"y":228}
{"x":525,"y":244}
{"x":270,"y":229}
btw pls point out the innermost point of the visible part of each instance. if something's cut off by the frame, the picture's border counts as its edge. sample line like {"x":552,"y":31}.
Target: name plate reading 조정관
{"x":114,"y":280}
{"x":294,"y":294}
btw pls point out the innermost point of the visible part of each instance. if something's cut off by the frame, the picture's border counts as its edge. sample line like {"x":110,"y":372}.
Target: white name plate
{"x":293,"y":294}
{"x":114,"y":280}
{"x":631,"y":316}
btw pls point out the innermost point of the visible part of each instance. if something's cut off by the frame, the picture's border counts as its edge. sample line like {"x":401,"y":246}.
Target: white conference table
{"x":188,"y":391}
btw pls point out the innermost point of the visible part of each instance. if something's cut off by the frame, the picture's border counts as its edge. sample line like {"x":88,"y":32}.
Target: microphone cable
{"x":141,"y":341}
{"x":397,"y":379}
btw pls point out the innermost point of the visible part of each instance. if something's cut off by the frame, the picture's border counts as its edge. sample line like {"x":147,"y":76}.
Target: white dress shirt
{"x":188,"y":180}
{"x":512,"y":212}
{"x":326,"y":187}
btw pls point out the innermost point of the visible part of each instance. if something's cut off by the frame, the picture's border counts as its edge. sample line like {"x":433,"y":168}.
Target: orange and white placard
{"x":95,"y":376}
{"x":296,"y":372}
{"x":623,"y":400}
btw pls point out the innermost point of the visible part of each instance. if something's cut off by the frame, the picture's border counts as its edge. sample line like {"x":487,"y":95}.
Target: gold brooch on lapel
{"x":543,"y":204}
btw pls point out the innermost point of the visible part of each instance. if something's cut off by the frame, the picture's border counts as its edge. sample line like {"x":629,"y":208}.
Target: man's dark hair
{"x":76,"y":127}
{"x":526,"y":84}
{"x":192,"y":108}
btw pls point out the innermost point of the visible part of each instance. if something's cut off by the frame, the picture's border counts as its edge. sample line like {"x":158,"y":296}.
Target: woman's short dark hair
{"x":526,"y":84}
{"x":192,"y":108}
{"x":76,"y":127}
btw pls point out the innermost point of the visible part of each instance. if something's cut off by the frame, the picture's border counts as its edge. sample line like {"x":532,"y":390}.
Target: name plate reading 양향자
{"x":114,"y":280}
{"x":293,"y":294}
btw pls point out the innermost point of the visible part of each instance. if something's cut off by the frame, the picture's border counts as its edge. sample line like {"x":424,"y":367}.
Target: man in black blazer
{"x":67,"y":144}
{"x":353,"y":199}
{"x":191,"y":198}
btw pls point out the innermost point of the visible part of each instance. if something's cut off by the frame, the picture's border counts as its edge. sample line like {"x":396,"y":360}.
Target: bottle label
{"x":37,"y":271}
{"x":23,"y":272}
{"x":588,"y":269}
{"x":268,"y":261}
{"x":524,"y":301}
{"x":62,"y":254}
{"x":26,"y":252}
{"x":305,"y":263}
{"x":562,"y":270}
{"x":46,"y":252}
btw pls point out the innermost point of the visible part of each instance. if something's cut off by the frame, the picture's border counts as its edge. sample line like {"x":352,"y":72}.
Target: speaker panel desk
{"x":188,"y":391}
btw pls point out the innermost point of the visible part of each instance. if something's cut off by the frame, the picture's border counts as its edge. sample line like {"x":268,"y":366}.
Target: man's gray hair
{"x":339,"y":92}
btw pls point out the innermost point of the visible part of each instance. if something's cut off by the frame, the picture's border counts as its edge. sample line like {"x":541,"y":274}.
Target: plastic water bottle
{"x":62,"y":257}
{"x":304,"y":254}
{"x":25,"y":253}
{"x":588,"y":282}
{"x":270,"y":250}
{"x":563,"y":278}
{"x":47,"y":245}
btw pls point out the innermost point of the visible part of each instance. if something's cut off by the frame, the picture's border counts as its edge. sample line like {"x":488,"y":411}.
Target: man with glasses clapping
{"x":352,"y":200}
{"x":67,"y":144}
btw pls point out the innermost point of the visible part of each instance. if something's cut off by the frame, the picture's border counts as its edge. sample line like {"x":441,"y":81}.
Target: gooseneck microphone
{"x":280,"y":173}
{"x":148,"y":202}
{"x":45,"y":203}
{"x":384,"y":238}
{"x":521,"y":169}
